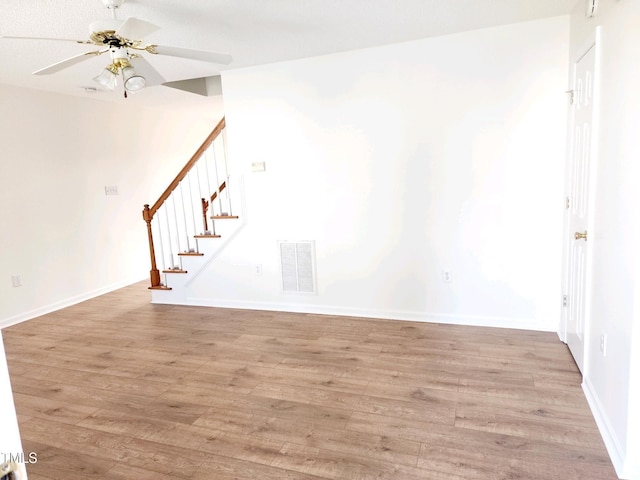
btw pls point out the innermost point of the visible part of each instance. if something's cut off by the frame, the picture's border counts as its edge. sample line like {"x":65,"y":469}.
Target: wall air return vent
{"x":297,"y":263}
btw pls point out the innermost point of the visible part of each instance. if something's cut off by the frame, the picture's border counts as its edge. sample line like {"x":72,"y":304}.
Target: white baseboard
{"x":615,"y":450}
{"x":470,"y":320}
{"x":22,"y":317}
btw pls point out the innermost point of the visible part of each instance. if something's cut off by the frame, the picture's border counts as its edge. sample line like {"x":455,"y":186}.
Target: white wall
{"x":10,"y":444}
{"x":612,"y":383}
{"x":59,"y":231}
{"x":400,"y":162}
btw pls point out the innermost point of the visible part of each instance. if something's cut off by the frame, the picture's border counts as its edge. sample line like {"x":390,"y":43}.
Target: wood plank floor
{"x":117,"y":388}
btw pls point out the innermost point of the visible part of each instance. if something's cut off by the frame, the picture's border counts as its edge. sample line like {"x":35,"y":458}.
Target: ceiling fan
{"x":123,"y":41}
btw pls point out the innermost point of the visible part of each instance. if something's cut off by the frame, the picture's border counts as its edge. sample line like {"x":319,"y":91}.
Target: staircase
{"x":192,"y":220}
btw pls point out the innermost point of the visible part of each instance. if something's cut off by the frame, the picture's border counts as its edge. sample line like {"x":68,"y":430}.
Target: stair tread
{"x":206,"y":236}
{"x":191,"y":254}
{"x":223,"y":217}
{"x":160,"y":287}
{"x":174,"y":271}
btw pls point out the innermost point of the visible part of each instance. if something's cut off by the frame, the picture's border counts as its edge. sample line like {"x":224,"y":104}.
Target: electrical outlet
{"x":112,"y":190}
{"x":447,"y":276}
{"x":603,"y":344}
{"x":258,"y":270}
{"x":16,"y":280}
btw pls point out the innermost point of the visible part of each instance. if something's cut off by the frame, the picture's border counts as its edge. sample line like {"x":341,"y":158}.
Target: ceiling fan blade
{"x":44,"y":38}
{"x":144,"y":68}
{"x":56,"y":67}
{"x":135,"y":29}
{"x":201,"y":55}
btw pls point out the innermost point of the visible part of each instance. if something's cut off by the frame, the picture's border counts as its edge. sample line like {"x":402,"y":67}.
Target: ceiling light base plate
{"x":112,"y":3}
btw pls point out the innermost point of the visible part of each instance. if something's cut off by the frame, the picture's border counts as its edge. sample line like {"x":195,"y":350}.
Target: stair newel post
{"x":154,"y":272}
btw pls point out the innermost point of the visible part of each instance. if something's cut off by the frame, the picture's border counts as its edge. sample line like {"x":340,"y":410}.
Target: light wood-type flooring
{"x":117,"y":388}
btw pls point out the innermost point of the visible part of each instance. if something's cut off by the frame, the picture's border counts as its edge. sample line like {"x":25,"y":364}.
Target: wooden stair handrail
{"x":214,"y":195}
{"x":185,"y":170}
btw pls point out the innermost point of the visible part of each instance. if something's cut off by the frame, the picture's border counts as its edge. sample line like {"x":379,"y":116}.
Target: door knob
{"x":579,"y":235}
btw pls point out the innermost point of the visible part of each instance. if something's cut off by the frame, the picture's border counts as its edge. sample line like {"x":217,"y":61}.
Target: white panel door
{"x":578,"y":203}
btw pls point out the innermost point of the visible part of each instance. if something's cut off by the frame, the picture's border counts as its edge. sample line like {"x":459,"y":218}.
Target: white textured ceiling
{"x":253,"y":31}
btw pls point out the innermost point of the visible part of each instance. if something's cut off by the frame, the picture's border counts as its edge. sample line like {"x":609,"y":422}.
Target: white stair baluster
{"x":158,"y":229}
{"x":208,"y":177}
{"x":204,"y":221}
{"x":192,"y":200}
{"x":215,"y":164}
{"x":223,"y":139}
{"x":175,"y":218}
{"x":184,"y":217}
{"x":170,"y":240}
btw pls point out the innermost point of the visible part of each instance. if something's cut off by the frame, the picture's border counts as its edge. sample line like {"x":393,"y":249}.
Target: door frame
{"x":592,"y":42}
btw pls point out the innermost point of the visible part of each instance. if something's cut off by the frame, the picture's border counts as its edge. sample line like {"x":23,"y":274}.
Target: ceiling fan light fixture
{"x":132,"y":81}
{"x":107,"y":78}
